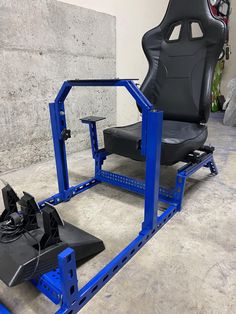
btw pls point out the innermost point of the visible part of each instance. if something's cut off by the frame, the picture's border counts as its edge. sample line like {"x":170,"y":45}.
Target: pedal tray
{"x":18,"y":260}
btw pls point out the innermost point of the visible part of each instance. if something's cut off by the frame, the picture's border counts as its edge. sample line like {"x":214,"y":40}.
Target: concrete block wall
{"x":43,"y":43}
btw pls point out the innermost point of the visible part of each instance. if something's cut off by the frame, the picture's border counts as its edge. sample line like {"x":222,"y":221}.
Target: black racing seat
{"x":178,"y":139}
{"x":182,"y":53}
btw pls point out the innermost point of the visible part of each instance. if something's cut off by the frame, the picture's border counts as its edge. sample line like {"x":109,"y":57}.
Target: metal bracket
{"x":91,"y":121}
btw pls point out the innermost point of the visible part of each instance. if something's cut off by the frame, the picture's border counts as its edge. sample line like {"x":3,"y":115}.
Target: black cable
{"x":10,"y":233}
{"x":39,"y":252}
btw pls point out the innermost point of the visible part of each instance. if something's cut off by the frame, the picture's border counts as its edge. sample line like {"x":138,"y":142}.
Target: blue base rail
{"x":4,"y":310}
{"x":61,"y":285}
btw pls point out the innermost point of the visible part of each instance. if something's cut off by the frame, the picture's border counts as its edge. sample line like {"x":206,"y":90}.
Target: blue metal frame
{"x":60,"y":285}
{"x":4,"y":310}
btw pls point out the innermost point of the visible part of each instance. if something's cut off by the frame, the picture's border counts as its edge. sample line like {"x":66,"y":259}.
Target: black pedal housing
{"x":18,"y":259}
{"x":44,"y":236}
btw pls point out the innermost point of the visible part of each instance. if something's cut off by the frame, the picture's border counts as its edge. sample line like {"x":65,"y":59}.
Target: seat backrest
{"x":182,"y":53}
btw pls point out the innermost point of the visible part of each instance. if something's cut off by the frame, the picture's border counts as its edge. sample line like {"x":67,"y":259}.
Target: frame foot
{"x":213,"y":167}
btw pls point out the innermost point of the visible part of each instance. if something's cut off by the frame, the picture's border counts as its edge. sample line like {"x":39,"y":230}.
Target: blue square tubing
{"x":61,"y":285}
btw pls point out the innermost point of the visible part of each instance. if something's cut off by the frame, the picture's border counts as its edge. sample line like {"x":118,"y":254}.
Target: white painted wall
{"x":133,"y":19}
{"x":230,"y":66}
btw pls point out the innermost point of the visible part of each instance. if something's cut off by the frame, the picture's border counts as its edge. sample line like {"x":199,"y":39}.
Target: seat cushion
{"x":178,"y":140}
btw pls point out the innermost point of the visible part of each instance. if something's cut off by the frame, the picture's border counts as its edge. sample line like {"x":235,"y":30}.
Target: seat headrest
{"x":182,"y":53}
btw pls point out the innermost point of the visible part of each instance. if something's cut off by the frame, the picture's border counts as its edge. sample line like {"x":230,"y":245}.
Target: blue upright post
{"x":93,"y":137}
{"x":179,"y":189}
{"x":153,"y":156}
{"x":58,"y":124}
{"x":69,"y":281}
{"x":94,"y":146}
{"x":213,"y":167}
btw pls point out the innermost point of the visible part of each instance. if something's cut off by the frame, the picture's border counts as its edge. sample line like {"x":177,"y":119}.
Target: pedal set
{"x":39,"y":236}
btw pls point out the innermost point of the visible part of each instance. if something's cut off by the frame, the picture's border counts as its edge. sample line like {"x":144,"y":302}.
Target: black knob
{"x":65,"y":134}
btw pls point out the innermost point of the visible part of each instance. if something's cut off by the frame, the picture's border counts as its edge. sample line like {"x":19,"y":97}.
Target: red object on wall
{"x":215,"y":12}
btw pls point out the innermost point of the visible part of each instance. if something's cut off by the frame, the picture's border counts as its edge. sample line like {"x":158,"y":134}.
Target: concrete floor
{"x":188,"y":267}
